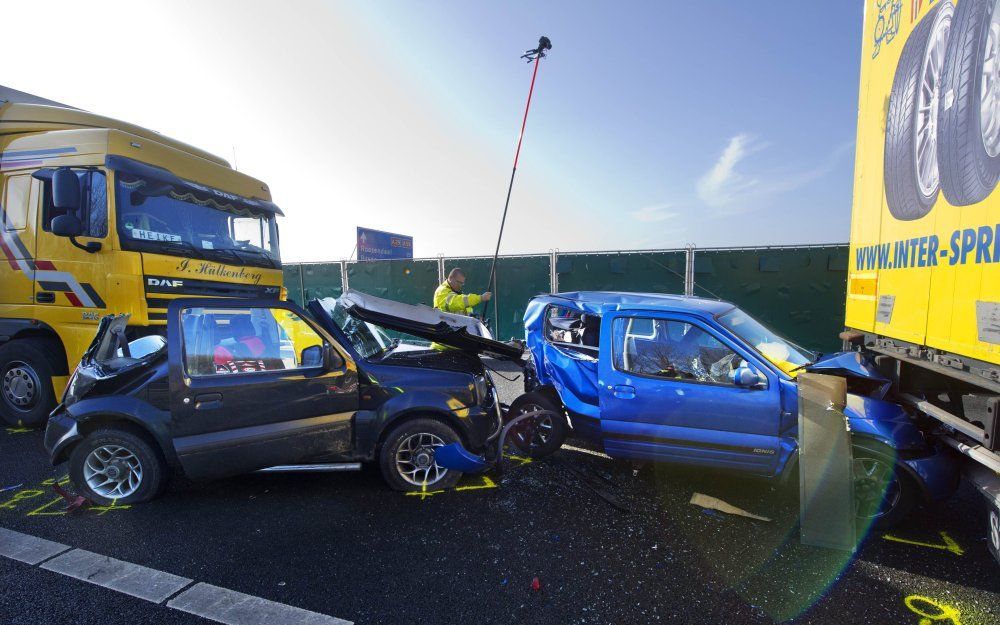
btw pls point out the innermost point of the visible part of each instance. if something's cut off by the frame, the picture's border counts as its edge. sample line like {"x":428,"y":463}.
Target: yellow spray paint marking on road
{"x":19,"y":496}
{"x":19,"y":430}
{"x":424,"y":493}
{"x":51,"y":507}
{"x":949,"y":543}
{"x":102,"y":510}
{"x":931,"y":611}
{"x":520,"y":460}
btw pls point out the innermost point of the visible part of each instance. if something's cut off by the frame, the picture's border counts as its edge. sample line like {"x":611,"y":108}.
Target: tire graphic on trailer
{"x":912,"y":181}
{"x":969,"y":109}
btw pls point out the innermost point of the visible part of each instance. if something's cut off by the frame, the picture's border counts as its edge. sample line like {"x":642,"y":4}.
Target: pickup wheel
{"x":113,"y":465}
{"x":26,"y":394}
{"x":407,"y":456}
{"x":883,"y":494}
{"x":542,"y":436}
{"x":912,"y":181}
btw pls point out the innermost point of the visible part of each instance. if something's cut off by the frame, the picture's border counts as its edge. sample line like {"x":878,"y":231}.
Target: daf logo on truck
{"x":173,"y":284}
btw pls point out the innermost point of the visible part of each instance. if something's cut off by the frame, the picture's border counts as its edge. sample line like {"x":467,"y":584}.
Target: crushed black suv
{"x":244,"y":385}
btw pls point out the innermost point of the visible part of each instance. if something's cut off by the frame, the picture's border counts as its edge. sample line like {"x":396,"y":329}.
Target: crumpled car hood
{"x":458,"y":331}
{"x":855,"y":367}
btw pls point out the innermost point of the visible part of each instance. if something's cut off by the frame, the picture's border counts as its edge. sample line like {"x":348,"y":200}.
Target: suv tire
{"x":120,"y":453}
{"x":406,"y":458}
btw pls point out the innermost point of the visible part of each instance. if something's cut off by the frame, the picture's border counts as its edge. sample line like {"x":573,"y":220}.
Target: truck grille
{"x":161,"y":290}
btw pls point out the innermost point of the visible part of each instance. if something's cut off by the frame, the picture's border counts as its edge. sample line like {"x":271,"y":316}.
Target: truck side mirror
{"x":748,"y":378}
{"x":67,"y":225}
{"x":65,"y":190}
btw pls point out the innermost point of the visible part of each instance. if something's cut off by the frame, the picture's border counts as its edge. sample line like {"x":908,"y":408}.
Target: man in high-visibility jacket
{"x":449,"y":297}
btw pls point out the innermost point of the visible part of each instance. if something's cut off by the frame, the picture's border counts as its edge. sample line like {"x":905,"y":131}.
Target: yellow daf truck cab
{"x":923,"y":293}
{"x":100,"y":216}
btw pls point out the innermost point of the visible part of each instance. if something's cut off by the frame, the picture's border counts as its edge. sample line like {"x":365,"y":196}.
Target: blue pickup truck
{"x":695,"y":381}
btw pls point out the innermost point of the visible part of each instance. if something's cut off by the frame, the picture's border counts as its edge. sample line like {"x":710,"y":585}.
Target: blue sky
{"x":655,"y":124}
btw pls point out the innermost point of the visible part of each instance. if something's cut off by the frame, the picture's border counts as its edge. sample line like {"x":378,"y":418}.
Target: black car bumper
{"x":60,"y":434}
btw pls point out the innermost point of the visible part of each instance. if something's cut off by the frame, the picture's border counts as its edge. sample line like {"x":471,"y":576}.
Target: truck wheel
{"x":407,"y":456}
{"x":911,"y":174}
{"x":883,"y":495}
{"x":26,"y":395}
{"x":969,"y":107}
{"x":993,"y":519}
{"x":113,"y":465}
{"x":538,"y":437}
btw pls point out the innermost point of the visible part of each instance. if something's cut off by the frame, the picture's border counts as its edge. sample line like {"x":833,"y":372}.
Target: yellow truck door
{"x":71,"y":283}
{"x":17,"y":241}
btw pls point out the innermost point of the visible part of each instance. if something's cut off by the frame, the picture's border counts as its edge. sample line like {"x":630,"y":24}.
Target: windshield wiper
{"x":259,"y":254}
{"x":388,"y":349}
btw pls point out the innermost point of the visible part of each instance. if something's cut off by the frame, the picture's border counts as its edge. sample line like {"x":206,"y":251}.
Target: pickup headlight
{"x":78,"y":386}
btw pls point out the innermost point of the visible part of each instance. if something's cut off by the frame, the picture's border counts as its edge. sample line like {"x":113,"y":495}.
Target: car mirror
{"x":313,"y":356}
{"x":748,"y":378}
{"x":67,"y":225}
{"x":65,"y":190}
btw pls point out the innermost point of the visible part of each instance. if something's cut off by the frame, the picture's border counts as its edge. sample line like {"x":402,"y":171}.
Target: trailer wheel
{"x":993,"y":518}
{"x":912,"y":181}
{"x":538,"y":437}
{"x":883,"y":495}
{"x":969,"y":107}
{"x":407,"y":456}
{"x":26,"y":394}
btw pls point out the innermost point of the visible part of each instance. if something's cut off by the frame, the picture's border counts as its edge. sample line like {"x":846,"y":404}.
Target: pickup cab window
{"x":573,"y":329}
{"x":247,"y":340}
{"x":671,"y":349}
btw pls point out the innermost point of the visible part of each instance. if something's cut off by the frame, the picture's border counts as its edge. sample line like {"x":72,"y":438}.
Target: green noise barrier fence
{"x":798,"y":291}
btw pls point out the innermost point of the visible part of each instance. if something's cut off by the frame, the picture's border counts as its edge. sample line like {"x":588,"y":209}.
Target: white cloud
{"x":722,"y":185}
{"x":652,"y":214}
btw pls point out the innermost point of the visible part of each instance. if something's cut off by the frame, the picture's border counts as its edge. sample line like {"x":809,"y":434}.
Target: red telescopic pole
{"x":536,"y":56}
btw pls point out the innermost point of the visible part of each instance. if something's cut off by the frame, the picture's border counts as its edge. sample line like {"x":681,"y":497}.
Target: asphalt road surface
{"x":607,"y":544}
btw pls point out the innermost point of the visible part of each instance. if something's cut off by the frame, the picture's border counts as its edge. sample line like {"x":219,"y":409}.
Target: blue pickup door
{"x":666,"y":394}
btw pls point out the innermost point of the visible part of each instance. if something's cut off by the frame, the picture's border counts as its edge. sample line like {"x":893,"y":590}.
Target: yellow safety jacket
{"x":447,"y":300}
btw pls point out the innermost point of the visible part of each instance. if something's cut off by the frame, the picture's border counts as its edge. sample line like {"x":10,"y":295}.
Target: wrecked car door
{"x":256,"y":384}
{"x":667,"y":393}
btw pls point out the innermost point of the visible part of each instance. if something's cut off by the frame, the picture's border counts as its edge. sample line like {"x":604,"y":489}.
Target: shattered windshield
{"x":368,"y":339}
{"x":784,"y":354}
{"x":159,"y":217}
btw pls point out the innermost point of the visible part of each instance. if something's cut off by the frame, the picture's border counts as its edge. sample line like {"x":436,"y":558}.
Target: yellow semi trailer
{"x":924,"y":280}
{"x":100,"y":216}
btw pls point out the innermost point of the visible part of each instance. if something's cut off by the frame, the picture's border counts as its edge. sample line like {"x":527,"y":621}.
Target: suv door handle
{"x":624,"y":391}
{"x":209,"y":401}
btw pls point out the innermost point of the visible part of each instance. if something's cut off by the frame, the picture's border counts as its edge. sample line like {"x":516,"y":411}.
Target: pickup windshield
{"x":157,"y":217}
{"x":784,"y":354}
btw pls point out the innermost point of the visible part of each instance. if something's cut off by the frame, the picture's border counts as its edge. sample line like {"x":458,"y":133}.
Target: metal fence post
{"x":689,"y":270}
{"x":553,"y":273}
{"x":302,"y":284}
{"x":343,"y":277}
{"x":440,"y":268}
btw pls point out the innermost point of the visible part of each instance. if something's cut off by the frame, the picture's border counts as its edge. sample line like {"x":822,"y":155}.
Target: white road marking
{"x":235,"y":608}
{"x":205,"y":600}
{"x":131,"y":579}
{"x":590,"y":452}
{"x":26,"y":548}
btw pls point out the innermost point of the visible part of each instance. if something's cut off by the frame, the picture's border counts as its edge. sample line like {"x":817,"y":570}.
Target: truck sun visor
{"x":136,"y":168}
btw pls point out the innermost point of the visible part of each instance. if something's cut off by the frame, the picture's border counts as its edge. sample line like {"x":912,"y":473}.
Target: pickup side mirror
{"x":65,"y":189}
{"x":67,"y":225}
{"x":747,"y":377}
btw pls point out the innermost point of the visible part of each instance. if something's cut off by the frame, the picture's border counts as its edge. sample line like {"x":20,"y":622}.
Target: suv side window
{"x":225,"y":341}
{"x":570,"y":328}
{"x":671,"y":349}
{"x":93,"y":211}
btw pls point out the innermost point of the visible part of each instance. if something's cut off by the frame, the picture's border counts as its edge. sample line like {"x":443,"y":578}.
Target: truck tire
{"x":993,"y":526}
{"x":969,"y":107}
{"x":26,"y":394}
{"x":546,"y":434}
{"x":407,"y":456}
{"x":883,"y":494}
{"x":911,"y":174}
{"x":117,"y":465}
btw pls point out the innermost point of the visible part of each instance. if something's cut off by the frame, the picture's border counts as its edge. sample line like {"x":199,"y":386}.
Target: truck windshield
{"x":158,"y":217}
{"x":784,"y":354}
